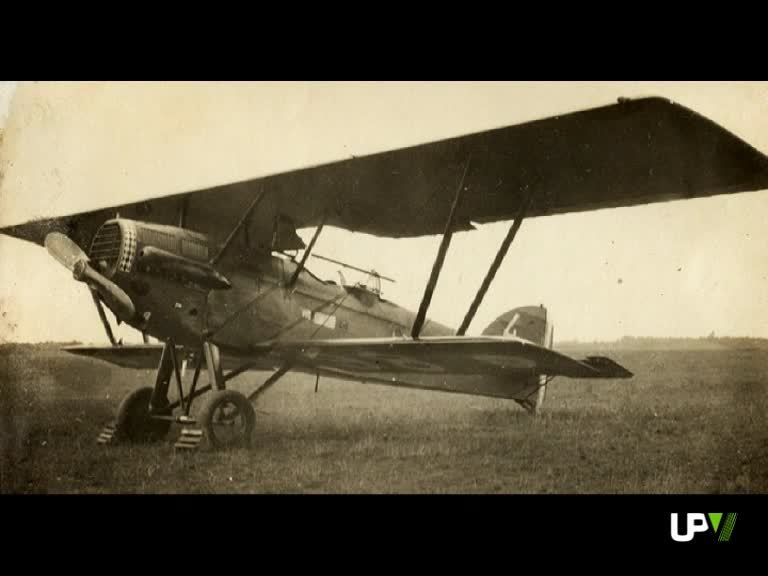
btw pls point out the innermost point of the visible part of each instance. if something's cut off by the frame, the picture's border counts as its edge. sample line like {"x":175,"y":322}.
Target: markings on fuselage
{"x":319,"y":318}
{"x":511,"y":329}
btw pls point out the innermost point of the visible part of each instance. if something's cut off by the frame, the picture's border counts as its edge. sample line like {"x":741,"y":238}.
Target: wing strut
{"x":103,"y":316}
{"x":306,"y":254}
{"x":439,"y":259}
{"x":270,"y":381}
{"x":495,"y":265}
{"x":183,"y":211}
{"x":236,"y":229}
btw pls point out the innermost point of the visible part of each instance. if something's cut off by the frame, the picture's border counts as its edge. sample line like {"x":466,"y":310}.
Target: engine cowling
{"x":124,"y":246}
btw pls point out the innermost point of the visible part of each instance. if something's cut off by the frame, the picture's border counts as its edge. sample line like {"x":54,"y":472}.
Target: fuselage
{"x":260,"y":304}
{"x":187,"y":290}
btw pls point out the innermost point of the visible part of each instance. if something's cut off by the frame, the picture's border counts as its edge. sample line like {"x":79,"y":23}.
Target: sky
{"x":684,"y":268}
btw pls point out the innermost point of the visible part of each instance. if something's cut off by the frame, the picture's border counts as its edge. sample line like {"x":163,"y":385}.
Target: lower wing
{"x":488,"y":366}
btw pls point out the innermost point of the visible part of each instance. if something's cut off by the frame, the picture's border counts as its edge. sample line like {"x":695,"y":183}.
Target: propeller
{"x":72,"y":257}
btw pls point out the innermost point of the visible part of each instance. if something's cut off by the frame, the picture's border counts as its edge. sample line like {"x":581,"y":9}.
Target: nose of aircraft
{"x":72,"y":257}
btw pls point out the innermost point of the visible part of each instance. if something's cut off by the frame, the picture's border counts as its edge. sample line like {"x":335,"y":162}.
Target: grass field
{"x":689,"y":422}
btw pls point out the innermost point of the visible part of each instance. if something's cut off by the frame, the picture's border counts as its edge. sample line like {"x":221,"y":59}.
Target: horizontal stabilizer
{"x":606,"y":368}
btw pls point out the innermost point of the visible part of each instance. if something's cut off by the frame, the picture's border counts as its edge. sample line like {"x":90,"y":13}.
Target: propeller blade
{"x":71,"y":256}
{"x":64,"y":250}
{"x":114,"y":297}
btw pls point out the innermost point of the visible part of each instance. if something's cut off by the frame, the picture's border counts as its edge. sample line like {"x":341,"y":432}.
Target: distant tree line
{"x":710,"y":342}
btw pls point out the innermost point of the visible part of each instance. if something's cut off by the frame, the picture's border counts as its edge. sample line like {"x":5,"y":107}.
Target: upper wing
{"x":634,"y":152}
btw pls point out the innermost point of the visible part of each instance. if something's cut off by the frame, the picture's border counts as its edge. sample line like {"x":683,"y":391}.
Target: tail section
{"x":529,"y":323}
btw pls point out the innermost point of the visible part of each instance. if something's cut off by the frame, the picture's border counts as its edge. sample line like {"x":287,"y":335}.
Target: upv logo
{"x":697,"y":522}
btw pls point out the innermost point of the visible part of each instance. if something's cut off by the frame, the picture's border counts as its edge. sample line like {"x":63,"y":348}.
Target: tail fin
{"x":527,"y":322}
{"x":530,"y":323}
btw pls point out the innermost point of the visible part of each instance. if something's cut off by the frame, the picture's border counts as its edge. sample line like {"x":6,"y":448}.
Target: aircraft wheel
{"x":227,"y":418}
{"x":133,"y":420}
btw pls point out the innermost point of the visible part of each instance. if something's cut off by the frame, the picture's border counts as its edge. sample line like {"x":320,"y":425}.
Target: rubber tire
{"x":133,"y":421}
{"x":212,"y":402}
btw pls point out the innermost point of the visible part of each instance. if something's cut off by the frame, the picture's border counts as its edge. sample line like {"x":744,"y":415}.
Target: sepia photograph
{"x":384,"y":287}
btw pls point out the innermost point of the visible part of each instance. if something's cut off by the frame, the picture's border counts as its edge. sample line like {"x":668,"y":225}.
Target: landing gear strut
{"x":225,"y":420}
{"x":227,"y":417}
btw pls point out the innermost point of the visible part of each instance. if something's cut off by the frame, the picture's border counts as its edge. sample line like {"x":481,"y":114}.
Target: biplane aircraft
{"x":210,"y":274}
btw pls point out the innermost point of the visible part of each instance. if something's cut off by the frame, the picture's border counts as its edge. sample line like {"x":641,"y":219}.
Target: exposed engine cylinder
{"x":114,"y":247}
